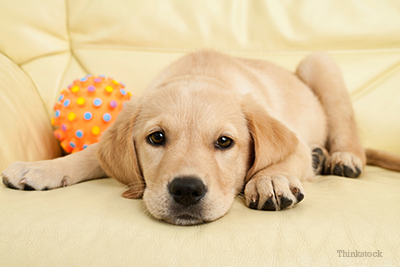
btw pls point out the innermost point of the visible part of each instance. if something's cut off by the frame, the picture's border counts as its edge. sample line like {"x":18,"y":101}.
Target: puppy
{"x":210,"y":126}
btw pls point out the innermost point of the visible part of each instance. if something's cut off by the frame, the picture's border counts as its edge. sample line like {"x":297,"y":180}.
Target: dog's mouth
{"x":185,"y":217}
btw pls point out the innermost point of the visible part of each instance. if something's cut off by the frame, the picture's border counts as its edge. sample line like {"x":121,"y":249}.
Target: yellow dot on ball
{"x":52,"y":121}
{"x":114,"y":81}
{"x":75,"y":89}
{"x":95,"y":130}
{"x":71,"y":116}
{"x":109,"y":89}
{"x":80,"y":101}
{"x":64,"y":146}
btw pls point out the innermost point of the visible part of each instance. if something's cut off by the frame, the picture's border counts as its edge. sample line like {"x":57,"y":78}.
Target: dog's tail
{"x":383,"y":159}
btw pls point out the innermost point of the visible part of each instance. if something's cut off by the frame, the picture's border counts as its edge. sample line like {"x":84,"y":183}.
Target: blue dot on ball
{"x":97,"y":102}
{"x":72,"y":144}
{"x":61,"y":97}
{"x":87,"y":115}
{"x":106,"y":117}
{"x":85,"y":146}
{"x":57,"y":113}
{"x":79,"y":134}
{"x":66,"y":102}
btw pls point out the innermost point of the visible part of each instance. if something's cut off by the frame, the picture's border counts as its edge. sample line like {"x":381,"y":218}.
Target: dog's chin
{"x":184,"y":219}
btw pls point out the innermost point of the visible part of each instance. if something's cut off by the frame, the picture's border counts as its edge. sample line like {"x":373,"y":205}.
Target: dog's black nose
{"x":187,"y":190}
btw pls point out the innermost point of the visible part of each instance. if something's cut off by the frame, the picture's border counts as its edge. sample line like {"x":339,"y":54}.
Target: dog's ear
{"x":272,"y":140}
{"x":116,"y":151}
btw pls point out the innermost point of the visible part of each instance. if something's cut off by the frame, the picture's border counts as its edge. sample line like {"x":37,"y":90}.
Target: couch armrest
{"x":25,"y":131}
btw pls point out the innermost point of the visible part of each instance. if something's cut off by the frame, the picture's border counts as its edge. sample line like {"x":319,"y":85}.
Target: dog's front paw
{"x":32,"y":176}
{"x":343,"y":164}
{"x":273,"y":192}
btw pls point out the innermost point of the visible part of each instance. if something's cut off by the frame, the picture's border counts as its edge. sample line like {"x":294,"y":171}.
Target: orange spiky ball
{"x":86,"y":109}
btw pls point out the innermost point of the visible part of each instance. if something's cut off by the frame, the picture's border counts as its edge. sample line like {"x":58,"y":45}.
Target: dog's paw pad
{"x":269,"y":205}
{"x":7,"y":183}
{"x":319,"y":156}
{"x":285,"y":202}
{"x":27,"y":187}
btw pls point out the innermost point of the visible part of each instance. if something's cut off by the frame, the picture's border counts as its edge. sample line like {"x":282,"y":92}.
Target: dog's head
{"x":189,"y":146}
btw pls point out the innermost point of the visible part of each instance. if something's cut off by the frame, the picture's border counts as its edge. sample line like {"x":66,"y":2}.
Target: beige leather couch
{"x":46,"y":44}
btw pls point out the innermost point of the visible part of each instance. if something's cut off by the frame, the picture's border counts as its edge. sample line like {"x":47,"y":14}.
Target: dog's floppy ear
{"x":116,"y":151}
{"x":272,"y":140}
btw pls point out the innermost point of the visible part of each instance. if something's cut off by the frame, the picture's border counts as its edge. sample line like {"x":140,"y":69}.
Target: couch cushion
{"x":47,"y":44}
{"x":25,"y":132}
{"x":90,"y":224}
{"x":31,"y":29}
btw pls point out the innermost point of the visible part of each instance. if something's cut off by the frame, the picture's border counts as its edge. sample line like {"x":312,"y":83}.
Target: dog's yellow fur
{"x":275,"y":119}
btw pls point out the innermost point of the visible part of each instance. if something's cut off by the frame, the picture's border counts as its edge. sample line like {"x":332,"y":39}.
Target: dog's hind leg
{"x":322,"y":75}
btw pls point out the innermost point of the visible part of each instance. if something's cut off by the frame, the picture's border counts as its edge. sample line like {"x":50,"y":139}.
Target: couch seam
{"x":70,"y":45}
{"x":43,"y":56}
{"x":189,"y":49}
{"x":365,"y":89}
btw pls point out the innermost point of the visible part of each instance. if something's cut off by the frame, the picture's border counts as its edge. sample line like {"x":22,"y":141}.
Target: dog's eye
{"x":156,"y":138}
{"x":224,"y":142}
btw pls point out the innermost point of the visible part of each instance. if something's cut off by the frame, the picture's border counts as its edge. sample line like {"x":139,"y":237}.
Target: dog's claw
{"x":64,"y":182}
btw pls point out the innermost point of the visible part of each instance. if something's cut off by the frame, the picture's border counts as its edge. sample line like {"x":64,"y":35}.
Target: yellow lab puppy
{"x":210,"y":126}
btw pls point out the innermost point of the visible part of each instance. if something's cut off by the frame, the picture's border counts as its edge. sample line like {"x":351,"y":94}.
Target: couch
{"x":46,"y":44}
